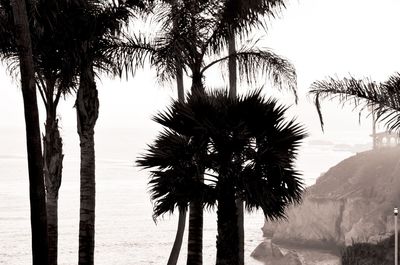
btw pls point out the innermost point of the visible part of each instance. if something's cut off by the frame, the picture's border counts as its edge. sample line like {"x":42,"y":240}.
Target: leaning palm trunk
{"x":87,"y":106}
{"x":34,"y":149}
{"x":176,"y":248}
{"x":228,"y":237}
{"x":232,"y":93}
{"x":52,"y":158}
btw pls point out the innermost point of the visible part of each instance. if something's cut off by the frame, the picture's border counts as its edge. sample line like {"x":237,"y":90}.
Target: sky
{"x":320,"y":37}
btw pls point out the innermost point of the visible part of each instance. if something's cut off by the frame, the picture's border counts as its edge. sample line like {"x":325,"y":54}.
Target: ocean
{"x":125,"y":231}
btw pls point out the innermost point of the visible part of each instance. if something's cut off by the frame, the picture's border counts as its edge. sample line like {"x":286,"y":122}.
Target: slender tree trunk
{"x":195,"y":237}
{"x":179,"y":84}
{"x":53,"y":159}
{"x":197,"y":83}
{"x":34,"y":149}
{"x":232,"y":64}
{"x":232,"y":93}
{"x":240,"y":227}
{"x":176,"y":248}
{"x":227,"y":239}
{"x":52,"y":217}
{"x":87,"y":106}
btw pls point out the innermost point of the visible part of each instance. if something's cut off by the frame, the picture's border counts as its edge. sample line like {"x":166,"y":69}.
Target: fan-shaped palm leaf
{"x":245,"y":150}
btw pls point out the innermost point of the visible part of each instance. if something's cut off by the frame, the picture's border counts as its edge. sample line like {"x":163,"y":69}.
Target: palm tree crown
{"x":245,"y":146}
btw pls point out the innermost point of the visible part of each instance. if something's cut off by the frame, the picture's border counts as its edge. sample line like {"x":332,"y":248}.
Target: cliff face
{"x":353,"y":201}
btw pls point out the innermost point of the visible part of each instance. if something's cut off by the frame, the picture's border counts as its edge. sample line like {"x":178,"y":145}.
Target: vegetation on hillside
{"x":381,"y":253}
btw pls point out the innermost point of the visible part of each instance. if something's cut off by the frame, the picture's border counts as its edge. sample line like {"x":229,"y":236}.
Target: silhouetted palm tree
{"x":176,"y":247}
{"x":384,"y":97}
{"x":246,"y":149}
{"x":239,"y":17}
{"x":56,"y":70}
{"x":95,"y":26}
{"x":195,"y":39}
{"x":56,"y":74}
{"x":21,"y":34}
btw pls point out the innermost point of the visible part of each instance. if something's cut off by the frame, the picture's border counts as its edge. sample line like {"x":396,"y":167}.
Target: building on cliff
{"x":385,"y":139}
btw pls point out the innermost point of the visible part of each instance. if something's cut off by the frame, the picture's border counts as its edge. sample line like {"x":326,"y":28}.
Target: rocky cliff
{"x":353,"y":201}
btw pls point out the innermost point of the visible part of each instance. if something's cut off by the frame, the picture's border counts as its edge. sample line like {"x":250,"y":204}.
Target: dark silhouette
{"x":35,"y":163}
{"x":192,"y":50}
{"x":98,"y":27}
{"x":246,"y":151}
{"x":239,"y":17}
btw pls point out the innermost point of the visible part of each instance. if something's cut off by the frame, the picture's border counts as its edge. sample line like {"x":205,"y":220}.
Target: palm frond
{"x":384,"y":98}
{"x":254,"y":63}
{"x":239,"y":18}
{"x":130,"y":53}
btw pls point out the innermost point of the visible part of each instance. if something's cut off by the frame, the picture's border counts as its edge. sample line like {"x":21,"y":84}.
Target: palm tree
{"x":383,"y":98}
{"x":55,"y":77}
{"x":192,"y":18}
{"x":97,"y":24}
{"x":247,"y":150}
{"x":176,"y":247}
{"x":56,"y":71}
{"x":198,"y":47}
{"x":35,"y":164}
{"x":238,"y":19}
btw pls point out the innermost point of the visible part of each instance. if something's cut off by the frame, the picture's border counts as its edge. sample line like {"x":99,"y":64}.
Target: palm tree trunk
{"x":53,"y":158}
{"x":227,"y":239}
{"x":197,"y":82}
{"x":176,"y":248}
{"x":232,"y":67}
{"x":179,"y":84}
{"x":52,"y":218}
{"x":87,"y":106}
{"x":195,"y":237}
{"x":232,"y":93}
{"x":34,"y":149}
{"x":240,"y":227}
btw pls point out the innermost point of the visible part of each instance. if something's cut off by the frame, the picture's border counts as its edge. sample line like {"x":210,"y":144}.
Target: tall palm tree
{"x":97,"y":24}
{"x":197,"y":48}
{"x":56,"y":71}
{"x":174,"y":255}
{"x":176,"y":247}
{"x":35,"y":164}
{"x":56,"y":74}
{"x":195,"y":40}
{"x":383,"y":98}
{"x":52,"y":81}
{"x":239,"y":17}
{"x":247,"y":150}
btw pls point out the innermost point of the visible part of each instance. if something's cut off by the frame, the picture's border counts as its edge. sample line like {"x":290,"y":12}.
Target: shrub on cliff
{"x":381,"y":253}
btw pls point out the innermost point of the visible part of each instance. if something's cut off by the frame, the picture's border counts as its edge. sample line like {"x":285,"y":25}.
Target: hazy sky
{"x":320,"y":37}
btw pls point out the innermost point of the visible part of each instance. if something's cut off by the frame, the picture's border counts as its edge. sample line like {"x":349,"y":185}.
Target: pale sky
{"x":320,"y":37}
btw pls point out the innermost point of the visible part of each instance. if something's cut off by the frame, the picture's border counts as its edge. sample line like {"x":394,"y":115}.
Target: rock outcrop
{"x":353,"y":201}
{"x":271,"y":254}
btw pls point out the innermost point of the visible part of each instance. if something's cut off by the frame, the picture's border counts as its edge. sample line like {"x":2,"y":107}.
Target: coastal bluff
{"x":352,"y":202}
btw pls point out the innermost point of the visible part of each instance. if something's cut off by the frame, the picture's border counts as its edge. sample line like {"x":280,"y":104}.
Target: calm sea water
{"x":125,"y":230}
